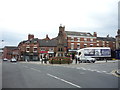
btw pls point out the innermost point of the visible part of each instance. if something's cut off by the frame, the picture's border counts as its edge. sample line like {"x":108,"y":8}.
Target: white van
{"x":91,"y":53}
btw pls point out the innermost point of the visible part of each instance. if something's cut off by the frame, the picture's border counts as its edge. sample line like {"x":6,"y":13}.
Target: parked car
{"x":5,"y":59}
{"x":13,"y":60}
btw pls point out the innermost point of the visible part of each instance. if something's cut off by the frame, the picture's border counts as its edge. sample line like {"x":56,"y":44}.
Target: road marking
{"x":64,"y":80}
{"x":35,"y":69}
{"x":83,"y":68}
{"x":98,"y":71}
{"x":104,"y":71}
{"x":92,"y":70}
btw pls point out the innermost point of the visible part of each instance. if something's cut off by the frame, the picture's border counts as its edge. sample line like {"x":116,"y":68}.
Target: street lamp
{"x":1,"y":48}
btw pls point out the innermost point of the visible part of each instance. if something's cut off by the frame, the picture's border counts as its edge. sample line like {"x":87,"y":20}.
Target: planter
{"x":60,"y":60}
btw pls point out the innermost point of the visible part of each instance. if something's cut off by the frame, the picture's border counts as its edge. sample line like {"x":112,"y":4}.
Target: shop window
{"x":35,"y":49}
{"x":60,"y":49}
{"x":91,"y":40}
{"x":78,"y":39}
{"x":97,"y":45}
{"x":78,"y":45}
{"x":85,"y":39}
{"x":50,"y":49}
{"x":27,"y":49}
{"x":72,"y":39}
{"x":85,"y":45}
{"x":72,"y":45}
{"x":42,"y":49}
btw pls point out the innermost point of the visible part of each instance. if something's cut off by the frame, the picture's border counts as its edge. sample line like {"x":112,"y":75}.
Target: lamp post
{"x":1,"y":48}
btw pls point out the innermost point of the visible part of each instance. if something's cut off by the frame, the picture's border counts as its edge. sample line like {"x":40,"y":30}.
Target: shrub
{"x":60,"y":60}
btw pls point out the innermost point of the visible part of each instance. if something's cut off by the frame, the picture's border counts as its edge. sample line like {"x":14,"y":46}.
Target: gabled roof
{"x":30,"y":41}
{"x":106,"y":38}
{"x":79,"y":33}
{"x":48,"y":43}
{"x":11,"y":47}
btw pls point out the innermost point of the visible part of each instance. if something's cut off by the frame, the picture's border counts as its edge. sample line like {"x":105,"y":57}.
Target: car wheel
{"x":93,"y":61}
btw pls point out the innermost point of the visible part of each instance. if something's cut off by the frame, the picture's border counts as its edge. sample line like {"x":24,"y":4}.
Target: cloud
{"x":41,"y":17}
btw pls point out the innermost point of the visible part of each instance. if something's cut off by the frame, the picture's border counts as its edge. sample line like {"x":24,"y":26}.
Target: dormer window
{"x":35,"y":49}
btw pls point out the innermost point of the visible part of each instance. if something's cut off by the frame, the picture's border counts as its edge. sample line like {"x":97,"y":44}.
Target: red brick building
{"x":35,"y":49}
{"x":78,"y":40}
{"x":106,"y":42}
{"x":10,"y":52}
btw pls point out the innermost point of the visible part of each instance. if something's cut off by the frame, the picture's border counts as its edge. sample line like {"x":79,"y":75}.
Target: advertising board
{"x":97,"y":52}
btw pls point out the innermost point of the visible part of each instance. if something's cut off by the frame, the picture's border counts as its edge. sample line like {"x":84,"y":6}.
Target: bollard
{"x":60,"y":61}
{"x":52,"y":61}
{"x":68,"y":62}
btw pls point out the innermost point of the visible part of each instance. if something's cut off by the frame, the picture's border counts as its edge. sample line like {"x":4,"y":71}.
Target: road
{"x":36,"y":75}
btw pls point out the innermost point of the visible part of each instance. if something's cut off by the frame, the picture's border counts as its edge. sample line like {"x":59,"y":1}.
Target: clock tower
{"x":60,"y":52}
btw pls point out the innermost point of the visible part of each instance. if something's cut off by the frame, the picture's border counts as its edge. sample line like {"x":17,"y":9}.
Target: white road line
{"x":101,"y":72}
{"x":104,"y":71}
{"x":35,"y":69}
{"x":89,"y":69}
{"x":64,"y":80}
{"x":98,"y":71}
{"x":83,"y":68}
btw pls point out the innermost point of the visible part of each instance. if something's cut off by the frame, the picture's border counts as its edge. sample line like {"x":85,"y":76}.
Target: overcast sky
{"x":18,"y":18}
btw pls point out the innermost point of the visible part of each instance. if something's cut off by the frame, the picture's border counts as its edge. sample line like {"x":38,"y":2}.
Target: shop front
{"x":31,"y":57}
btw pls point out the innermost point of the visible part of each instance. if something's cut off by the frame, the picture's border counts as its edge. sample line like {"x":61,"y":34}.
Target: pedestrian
{"x":106,"y":60}
{"x":76,"y":60}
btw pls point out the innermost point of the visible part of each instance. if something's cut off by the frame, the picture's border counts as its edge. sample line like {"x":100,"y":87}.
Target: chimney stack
{"x":95,"y":34}
{"x":61,"y":28}
{"x":30,"y":36}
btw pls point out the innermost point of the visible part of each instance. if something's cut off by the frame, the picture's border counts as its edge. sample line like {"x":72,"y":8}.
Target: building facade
{"x":106,"y":42}
{"x":10,"y":51}
{"x":78,"y":40}
{"x":29,"y":49}
{"x":35,"y":49}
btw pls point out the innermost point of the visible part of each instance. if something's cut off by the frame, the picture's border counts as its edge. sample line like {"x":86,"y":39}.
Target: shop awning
{"x":43,"y":52}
